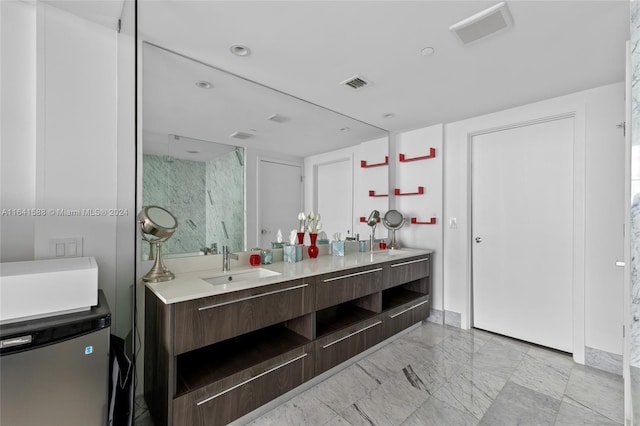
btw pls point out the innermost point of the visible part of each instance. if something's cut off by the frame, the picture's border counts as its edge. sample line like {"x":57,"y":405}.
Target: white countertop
{"x":192,"y":285}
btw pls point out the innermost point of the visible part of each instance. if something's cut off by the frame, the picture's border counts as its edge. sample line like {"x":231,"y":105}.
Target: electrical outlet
{"x":65,"y":247}
{"x":453,"y":223}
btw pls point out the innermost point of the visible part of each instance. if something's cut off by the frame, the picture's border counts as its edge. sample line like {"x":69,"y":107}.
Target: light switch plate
{"x":65,"y":247}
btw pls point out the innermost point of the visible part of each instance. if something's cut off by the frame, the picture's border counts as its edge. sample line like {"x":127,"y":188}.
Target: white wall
{"x":427,"y":173}
{"x":62,"y":145}
{"x":604,"y":204}
{"x":370,"y":179}
{"x":18,"y":129}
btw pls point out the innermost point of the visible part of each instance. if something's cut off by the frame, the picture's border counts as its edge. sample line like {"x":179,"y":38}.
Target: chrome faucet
{"x":225,"y":258}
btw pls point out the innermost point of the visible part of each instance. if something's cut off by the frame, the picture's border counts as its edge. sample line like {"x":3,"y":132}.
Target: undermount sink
{"x":387,"y":253}
{"x":234,"y":277}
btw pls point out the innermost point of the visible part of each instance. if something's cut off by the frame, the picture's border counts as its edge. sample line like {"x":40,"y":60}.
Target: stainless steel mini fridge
{"x":54,"y":371}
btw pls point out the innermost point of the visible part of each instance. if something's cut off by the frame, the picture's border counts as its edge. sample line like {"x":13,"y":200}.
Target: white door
{"x":280,"y":199}
{"x":334,"y":197}
{"x":522,"y":219}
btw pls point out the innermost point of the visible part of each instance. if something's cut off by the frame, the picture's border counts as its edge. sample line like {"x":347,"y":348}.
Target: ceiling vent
{"x":356,"y":82}
{"x":483,"y":24}
{"x":240,"y":135}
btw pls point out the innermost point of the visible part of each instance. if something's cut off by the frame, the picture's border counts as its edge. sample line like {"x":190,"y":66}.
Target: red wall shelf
{"x":373,"y":194}
{"x":431,"y":221}
{"x":432,"y":154}
{"x":364,"y":219}
{"x":364,"y":164}
{"x":397,"y":191}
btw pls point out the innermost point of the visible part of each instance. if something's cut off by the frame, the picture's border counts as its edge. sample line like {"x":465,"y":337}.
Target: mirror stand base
{"x":158,"y":272}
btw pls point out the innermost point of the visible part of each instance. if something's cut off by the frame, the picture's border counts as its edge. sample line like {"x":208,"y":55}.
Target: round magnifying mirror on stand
{"x":156,"y":226}
{"x":372,"y":221}
{"x":393,"y":220}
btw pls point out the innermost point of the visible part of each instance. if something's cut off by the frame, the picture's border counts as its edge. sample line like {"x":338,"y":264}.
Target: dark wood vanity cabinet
{"x":406,"y":294}
{"x":338,"y":287}
{"x":232,"y":396}
{"x":208,"y":320}
{"x":406,"y":270}
{"x":339,"y":346}
{"x":211,"y":360}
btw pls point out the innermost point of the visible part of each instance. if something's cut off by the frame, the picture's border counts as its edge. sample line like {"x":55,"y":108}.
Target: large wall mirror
{"x":210,"y":143}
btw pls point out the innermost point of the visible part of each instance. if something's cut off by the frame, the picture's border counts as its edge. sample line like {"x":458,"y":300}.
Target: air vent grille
{"x":483,"y":24}
{"x":356,"y":82}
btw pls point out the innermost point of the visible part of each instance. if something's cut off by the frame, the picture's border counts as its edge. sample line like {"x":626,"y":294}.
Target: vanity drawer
{"x":406,"y":270}
{"x":208,"y":320}
{"x":338,"y":347}
{"x":404,"y":316}
{"x":335,"y":288}
{"x":223,"y":401}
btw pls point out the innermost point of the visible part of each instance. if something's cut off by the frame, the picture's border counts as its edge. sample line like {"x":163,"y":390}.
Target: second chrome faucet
{"x":226,"y":256}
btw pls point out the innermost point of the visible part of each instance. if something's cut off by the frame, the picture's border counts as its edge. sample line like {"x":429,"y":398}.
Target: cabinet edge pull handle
{"x":351,"y":334}
{"x":409,"y":262}
{"x":204,"y":401}
{"x":408,"y":309}
{"x":355,"y":274}
{"x":255,"y":296}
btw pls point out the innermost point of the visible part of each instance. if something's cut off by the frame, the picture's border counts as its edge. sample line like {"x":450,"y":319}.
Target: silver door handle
{"x":478,"y":240}
{"x":352,"y":334}
{"x":271,"y":370}
{"x":620,"y":264}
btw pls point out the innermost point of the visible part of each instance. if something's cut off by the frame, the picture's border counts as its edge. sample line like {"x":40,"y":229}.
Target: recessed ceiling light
{"x":240,"y":135}
{"x":427,"y":51}
{"x":277,"y":118}
{"x":240,"y":50}
{"x":204,"y":84}
{"x":389,"y":115}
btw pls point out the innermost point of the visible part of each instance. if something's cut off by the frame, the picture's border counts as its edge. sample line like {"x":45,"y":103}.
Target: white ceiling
{"x":172,"y":104}
{"x":103,"y":12}
{"x":306,"y":48}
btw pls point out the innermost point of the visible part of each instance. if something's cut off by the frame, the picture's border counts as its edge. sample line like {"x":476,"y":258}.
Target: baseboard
{"x":453,"y":319}
{"x":603,"y":360}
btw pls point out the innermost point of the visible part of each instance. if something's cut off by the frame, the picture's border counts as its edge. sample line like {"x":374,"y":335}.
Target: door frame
{"x":315,"y":204}
{"x":629,"y":414}
{"x":259,"y":160}
{"x":577,"y":112}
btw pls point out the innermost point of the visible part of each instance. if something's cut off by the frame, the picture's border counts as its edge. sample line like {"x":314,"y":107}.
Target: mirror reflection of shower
{"x":202,"y":183}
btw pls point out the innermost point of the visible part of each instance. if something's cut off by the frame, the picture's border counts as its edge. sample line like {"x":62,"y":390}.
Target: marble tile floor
{"x":440,"y":375}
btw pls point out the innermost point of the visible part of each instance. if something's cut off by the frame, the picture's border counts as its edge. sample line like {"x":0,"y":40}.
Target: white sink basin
{"x":388,"y":253}
{"x":235,"y":277}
